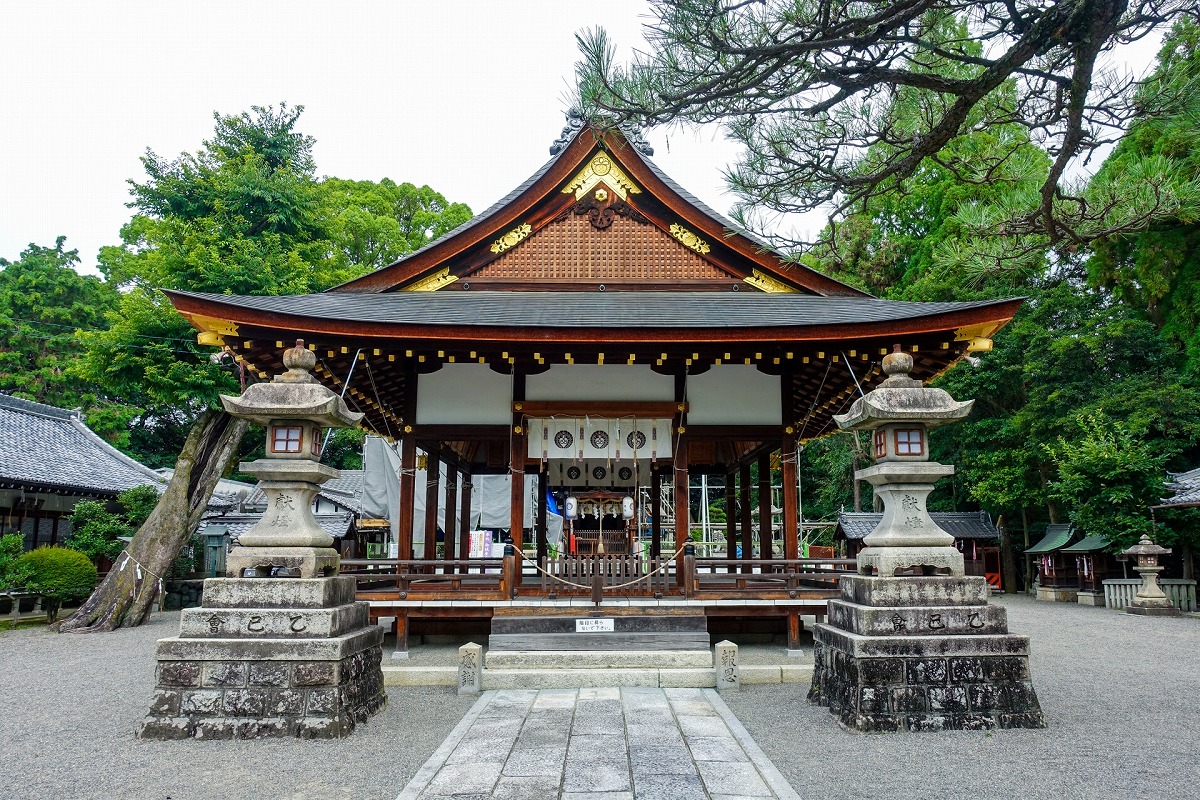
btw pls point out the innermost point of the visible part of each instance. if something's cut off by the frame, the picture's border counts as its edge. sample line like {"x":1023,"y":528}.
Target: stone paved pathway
{"x":599,"y":744}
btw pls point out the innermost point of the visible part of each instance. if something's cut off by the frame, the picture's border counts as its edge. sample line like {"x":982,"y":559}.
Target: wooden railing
{"x":771,"y":575}
{"x":426,"y":577}
{"x":599,"y":576}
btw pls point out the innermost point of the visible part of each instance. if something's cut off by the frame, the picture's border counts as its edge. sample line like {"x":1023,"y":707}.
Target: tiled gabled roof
{"x":959,"y":524}
{"x":1185,"y":487}
{"x":46,"y":447}
{"x":336,"y":525}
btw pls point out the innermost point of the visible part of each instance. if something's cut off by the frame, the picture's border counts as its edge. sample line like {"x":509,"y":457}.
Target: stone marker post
{"x":725,"y":662}
{"x":470,"y":668}
{"x":913,"y":644}
{"x":279,"y":647}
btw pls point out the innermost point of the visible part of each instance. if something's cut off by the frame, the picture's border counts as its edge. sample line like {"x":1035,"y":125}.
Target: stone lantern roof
{"x":294,"y":394}
{"x":902,"y":399}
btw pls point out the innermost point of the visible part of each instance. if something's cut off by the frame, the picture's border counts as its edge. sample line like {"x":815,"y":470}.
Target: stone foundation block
{"x":225,"y":673}
{"x":269,"y":673}
{"x":267,"y":623}
{"x":276,"y":593}
{"x":229,"y":686}
{"x":166,"y":728}
{"x":915,"y":591}
{"x":179,"y":673}
{"x":917,"y":620}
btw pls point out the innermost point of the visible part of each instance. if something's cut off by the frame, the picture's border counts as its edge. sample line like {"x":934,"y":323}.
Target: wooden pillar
{"x":682,"y":513}
{"x":680,"y":473}
{"x":408,"y":466}
{"x":795,"y":626}
{"x":744,"y":508}
{"x":401,"y":629}
{"x":655,"y":511}
{"x":765,"y":532}
{"x":464,"y":520}
{"x":791,"y":539}
{"x":433,"y":472}
{"x":542,"y":533}
{"x":451,"y":540}
{"x":730,"y":518}
{"x":516,"y":464}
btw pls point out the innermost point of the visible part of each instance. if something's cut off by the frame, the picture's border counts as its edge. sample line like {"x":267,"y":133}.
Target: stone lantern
{"x":279,"y":647}
{"x":900,"y":413}
{"x":912,"y":643}
{"x":1150,"y":600}
{"x":295,"y":409}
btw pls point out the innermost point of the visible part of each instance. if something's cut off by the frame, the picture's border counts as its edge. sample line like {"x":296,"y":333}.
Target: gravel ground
{"x":1120,"y":698}
{"x":1119,"y":693}
{"x":69,"y":706}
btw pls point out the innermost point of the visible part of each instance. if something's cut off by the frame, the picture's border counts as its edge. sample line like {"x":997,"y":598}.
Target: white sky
{"x":463,"y":95}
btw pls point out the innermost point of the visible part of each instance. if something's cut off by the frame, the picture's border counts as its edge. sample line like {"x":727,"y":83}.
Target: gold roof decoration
{"x":601,"y":169}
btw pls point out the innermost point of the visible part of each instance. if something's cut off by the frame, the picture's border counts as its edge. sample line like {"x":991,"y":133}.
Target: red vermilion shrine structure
{"x":601,"y":328}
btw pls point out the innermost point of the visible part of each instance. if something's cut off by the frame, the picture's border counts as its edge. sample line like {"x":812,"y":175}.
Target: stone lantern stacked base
{"x":269,"y":657}
{"x":922,"y":653}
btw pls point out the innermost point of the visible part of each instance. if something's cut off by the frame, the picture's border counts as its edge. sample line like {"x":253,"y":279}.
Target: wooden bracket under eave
{"x":212,"y":330}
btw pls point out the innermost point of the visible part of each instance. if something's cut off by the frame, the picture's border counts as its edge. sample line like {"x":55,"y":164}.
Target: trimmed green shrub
{"x":59,"y":574}
{"x":94,"y":531}
{"x":11,"y":546}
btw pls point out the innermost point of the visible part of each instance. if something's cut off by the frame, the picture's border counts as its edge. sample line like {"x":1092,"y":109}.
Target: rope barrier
{"x":560,"y":579}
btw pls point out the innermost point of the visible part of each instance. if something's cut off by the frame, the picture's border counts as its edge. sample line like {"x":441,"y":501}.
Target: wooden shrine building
{"x":603,"y":329}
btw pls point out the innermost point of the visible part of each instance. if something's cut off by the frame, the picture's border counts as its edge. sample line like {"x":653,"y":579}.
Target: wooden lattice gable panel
{"x":626,"y":252}
{"x":597,"y":212}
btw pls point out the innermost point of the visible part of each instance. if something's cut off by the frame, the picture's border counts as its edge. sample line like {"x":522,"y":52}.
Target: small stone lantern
{"x":295,"y":409}
{"x":900,"y":412}
{"x":1150,"y":600}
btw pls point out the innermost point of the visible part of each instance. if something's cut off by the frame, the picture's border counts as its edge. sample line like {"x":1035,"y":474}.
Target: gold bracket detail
{"x":512,"y":238}
{"x":431,"y":283}
{"x":601,"y":168}
{"x":689,"y":239}
{"x":766,"y":283}
{"x":213,"y":330}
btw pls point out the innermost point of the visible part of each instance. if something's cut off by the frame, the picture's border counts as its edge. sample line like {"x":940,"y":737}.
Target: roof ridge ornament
{"x":576,"y":122}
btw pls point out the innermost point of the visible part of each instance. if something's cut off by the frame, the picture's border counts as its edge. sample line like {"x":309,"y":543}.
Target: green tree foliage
{"x":95,"y":530}
{"x":244,"y":214}
{"x":1109,"y":477}
{"x":11,"y":547}
{"x":43,"y":300}
{"x":1159,"y":268}
{"x":805,"y":87}
{"x":373,"y":224}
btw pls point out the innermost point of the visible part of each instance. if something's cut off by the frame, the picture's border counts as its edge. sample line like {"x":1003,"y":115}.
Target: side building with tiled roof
{"x":975,"y":535}
{"x":49,"y":461}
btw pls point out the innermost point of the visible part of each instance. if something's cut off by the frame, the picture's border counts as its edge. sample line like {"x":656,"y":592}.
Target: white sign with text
{"x":594,"y":625}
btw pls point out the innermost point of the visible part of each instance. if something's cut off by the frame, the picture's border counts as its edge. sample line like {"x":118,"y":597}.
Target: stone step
{"x":628,"y":623}
{"x":598,"y":659}
{"x":684,"y":640}
{"x":593,"y":678}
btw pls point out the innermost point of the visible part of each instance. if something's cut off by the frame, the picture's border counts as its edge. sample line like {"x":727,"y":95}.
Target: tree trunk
{"x":124,"y":598}
{"x":1009,"y":576}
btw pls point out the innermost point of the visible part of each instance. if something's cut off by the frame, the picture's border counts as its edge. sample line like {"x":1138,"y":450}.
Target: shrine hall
{"x":603,"y":330}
